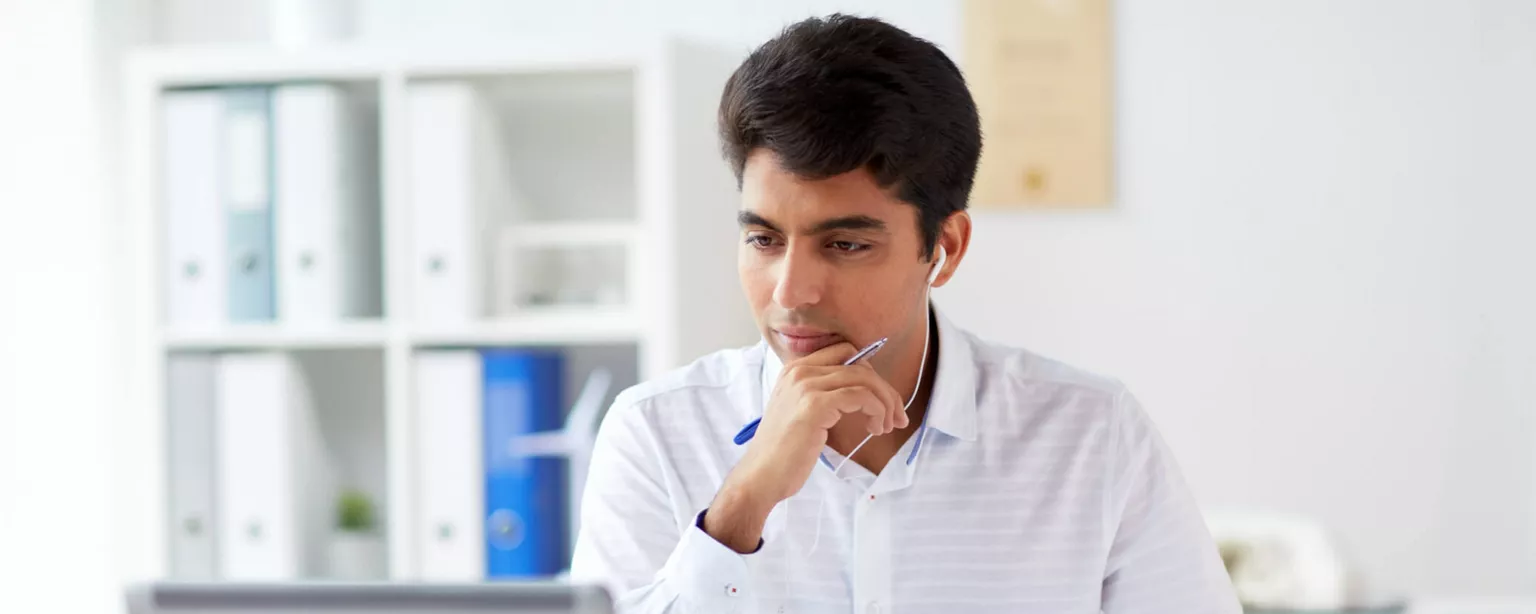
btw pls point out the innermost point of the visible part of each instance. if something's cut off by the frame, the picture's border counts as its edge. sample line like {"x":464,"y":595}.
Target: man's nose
{"x":801,"y":277}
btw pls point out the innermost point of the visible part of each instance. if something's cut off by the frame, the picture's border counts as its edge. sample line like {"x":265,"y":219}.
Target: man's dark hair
{"x":833,"y":95}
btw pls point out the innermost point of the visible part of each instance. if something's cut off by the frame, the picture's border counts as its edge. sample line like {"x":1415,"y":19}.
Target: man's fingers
{"x":829,"y":378}
{"x":893,"y":399}
{"x":832,"y":378}
{"x":862,"y":400}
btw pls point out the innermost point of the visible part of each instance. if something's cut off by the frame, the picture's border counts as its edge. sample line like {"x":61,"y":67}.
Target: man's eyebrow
{"x":851,"y":222}
{"x":748,"y":218}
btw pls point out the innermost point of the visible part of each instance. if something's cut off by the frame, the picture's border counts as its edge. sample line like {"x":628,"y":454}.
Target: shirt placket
{"x":871,"y":555}
{"x":873,"y":540}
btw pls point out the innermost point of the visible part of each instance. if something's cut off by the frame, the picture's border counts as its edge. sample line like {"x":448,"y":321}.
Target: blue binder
{"x":525,"y":495}
{"x":247,"y":184}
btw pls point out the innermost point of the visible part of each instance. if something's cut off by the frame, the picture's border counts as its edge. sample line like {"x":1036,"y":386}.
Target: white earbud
{"x":938,"y":265}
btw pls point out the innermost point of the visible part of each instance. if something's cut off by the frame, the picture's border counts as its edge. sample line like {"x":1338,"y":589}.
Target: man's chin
{"x":790,"y":346}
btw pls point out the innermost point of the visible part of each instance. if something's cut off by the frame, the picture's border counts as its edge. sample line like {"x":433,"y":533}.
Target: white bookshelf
{"x":636,"y":179}
{"x":343,"y":335}
{"x":551,"y":327}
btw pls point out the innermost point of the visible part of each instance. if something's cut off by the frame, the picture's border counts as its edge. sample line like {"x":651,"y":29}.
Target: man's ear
{"x":955,"y":239}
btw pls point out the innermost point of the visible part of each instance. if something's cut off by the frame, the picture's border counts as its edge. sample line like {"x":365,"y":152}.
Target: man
{"x":992,"y":480}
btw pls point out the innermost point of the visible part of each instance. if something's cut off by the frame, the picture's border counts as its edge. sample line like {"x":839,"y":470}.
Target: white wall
{"x":743,"y":23}
{"x":1317,"y":275}
{"x":55,"y":339}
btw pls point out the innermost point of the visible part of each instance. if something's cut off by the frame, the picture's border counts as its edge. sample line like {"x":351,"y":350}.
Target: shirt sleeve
{"x":631,"y":542}
{"x":1162,"y":557}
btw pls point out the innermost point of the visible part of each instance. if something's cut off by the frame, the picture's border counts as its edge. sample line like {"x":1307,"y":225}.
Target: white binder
{"x":190,"y":396}
{"x":450,"y":473}
{"x":196,"y":278}
{"x":458,"y":191}
{"x":274,"y":479}
{"x":327,"y":208}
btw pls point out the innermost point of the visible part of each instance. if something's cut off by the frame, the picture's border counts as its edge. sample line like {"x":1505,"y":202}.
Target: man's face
{"x":831,"y":260}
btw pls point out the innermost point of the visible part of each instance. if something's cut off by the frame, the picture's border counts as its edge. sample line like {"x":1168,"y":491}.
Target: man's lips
{"x":805,"y":339}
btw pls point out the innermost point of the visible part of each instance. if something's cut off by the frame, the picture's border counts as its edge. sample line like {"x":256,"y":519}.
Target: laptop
{"x":547,"y":597}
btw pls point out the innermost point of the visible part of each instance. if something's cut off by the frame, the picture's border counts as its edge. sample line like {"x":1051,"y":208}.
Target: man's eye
{"x":759,"y":241}
{"x":848,"y":246}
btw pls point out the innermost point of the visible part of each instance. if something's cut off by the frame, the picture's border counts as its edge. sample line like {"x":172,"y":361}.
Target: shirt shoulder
{"x":717,"y":370}
{"x":1024,"y":398}
{"x":712,"y":390}
{"x":1021,"y":371}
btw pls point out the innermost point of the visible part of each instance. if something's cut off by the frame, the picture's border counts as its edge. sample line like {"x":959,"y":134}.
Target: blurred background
{"x":272,"y":271}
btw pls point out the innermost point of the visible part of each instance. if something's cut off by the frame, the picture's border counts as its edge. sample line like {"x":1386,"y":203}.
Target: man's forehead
{"x":765,"y":175}
{"x":809,"y":207}
{"x":793,"y":202}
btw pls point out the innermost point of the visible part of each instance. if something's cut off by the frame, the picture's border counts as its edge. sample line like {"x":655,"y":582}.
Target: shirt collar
{"x":951,"y":406}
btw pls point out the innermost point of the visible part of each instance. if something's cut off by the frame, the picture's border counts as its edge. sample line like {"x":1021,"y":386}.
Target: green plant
{"x":354,"y":512}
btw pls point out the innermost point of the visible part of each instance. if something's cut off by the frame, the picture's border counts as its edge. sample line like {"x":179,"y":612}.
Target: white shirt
{"x":1030,"y":487}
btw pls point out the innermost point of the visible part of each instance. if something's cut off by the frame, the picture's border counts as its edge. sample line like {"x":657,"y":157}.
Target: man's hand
{"x":812,"y":395}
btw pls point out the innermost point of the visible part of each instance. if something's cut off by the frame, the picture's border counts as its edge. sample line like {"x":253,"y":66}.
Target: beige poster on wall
{"x":1041,"y":73}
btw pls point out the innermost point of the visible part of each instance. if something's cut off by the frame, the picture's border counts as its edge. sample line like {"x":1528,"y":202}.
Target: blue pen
{"x":751,"y":428}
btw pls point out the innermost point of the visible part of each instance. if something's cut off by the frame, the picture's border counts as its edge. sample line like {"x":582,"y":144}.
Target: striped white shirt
{"x":1031,"y":487}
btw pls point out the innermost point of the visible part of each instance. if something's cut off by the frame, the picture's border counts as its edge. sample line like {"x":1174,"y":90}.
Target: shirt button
{"x":732,"y":591}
